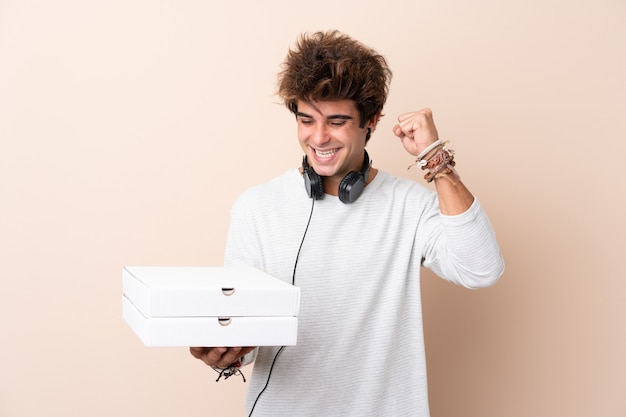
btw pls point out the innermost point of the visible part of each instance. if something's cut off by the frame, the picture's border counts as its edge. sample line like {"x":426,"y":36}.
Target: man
{"x":353,"y":238}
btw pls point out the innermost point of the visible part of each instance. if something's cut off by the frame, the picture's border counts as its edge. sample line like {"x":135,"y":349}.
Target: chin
{"x":325,"y":171}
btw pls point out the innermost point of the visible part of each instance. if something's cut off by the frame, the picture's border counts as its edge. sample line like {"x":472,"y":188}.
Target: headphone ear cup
{"x":312,"y":181}
{"x":351,"y":187}
{"x":313,"y":184}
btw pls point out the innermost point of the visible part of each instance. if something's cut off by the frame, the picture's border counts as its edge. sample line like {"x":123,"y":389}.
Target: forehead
{"x":327,"y":108}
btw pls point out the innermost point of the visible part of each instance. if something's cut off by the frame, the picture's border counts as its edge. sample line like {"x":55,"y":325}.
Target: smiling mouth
{"x":325,"y":154}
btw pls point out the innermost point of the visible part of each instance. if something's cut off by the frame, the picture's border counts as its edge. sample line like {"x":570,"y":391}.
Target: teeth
{"x":325,"y":154}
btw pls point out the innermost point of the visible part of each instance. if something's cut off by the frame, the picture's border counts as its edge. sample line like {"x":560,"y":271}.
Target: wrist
{"x":439,"y":164}
{"x":429,"y":150}
{"x":230,"y":370}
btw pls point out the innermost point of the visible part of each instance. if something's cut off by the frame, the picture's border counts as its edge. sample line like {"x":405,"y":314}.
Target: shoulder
{"x":388,"y":185}
{"x":278,"y":190}
{"x":276,"y":184}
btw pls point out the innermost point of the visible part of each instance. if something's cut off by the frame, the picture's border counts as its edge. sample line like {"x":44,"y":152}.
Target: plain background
{"x":128,"y":128}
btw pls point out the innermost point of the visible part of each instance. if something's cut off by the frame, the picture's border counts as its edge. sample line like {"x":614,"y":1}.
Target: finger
{"x":206,"y":354}
{"x":197,"y":352}
{"x":406,"y":115}
{"x":234,"y":354}
{"x":230,"y":356}
{"x":407,"y":127}
{"x":213,"y":355}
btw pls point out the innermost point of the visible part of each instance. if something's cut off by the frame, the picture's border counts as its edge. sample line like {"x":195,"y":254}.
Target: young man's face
{"x":331,"y":138}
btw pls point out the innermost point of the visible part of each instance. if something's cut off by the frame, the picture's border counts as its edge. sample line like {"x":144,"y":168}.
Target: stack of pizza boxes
{"x":209,"y":306}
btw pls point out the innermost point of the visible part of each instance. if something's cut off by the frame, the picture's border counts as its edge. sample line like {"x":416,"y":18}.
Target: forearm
{"x":454,"y":197}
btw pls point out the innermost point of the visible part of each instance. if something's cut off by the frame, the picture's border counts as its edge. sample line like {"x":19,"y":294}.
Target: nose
{"x":320,"y":135}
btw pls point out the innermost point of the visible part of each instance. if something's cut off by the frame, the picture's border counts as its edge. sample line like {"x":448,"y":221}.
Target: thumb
{"x":397,"y":130}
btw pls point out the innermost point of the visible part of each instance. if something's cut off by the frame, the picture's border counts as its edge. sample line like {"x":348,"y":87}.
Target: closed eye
{"x":338,"y":120}
{"x":305,"y":121}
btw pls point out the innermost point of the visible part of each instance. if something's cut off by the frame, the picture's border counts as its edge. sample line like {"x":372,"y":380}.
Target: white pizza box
{"x":209,"y":306}
{"x":202,"y":291}
{"x":210,"y":331}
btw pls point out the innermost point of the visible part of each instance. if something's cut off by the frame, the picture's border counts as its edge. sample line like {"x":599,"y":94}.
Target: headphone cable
{"x":293,"y":275}
{"x":293,"y":282}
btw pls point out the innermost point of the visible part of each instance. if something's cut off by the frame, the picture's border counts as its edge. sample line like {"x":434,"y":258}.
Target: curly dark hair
{"x":333,"y":66}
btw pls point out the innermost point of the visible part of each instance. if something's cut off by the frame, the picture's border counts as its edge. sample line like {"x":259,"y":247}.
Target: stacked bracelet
{"x":430,"y":147}
{"x":440,"y":165}
{"x":438,"y":160}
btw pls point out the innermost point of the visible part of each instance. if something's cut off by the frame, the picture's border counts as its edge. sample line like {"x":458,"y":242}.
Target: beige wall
{"x":127,"y":128}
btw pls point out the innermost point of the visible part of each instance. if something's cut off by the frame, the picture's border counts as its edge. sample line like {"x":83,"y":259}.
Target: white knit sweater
{"x":360,"y":348}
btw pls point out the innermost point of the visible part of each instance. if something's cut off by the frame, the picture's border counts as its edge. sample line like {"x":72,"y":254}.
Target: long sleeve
{"x":463,"y":248}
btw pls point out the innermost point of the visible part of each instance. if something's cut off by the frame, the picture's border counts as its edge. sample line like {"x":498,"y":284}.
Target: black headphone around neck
{"x":350,"y":187}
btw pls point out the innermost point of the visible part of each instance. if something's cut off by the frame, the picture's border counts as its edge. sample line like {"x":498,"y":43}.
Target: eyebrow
{"x":332,"y":116}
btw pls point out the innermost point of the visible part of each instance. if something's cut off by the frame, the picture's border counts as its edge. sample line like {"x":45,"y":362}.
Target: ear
{"x":373,"y":121}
